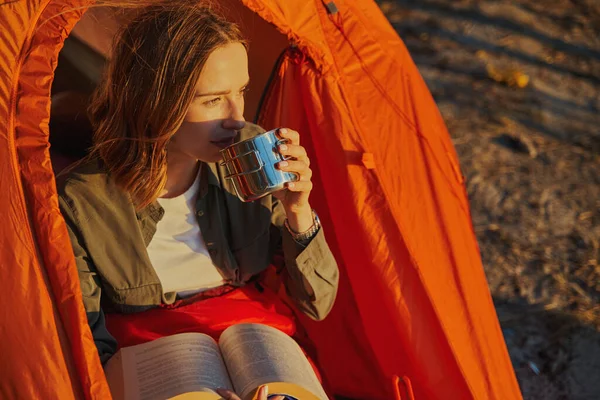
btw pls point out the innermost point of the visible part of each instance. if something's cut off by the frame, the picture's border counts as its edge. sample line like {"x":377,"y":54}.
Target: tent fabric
{"x":403,"y":227}
{"x":413,"y":298}
{"x":47,"y":351}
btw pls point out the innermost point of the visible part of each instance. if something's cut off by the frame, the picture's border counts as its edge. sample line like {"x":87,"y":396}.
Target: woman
{"x":154,"y":226}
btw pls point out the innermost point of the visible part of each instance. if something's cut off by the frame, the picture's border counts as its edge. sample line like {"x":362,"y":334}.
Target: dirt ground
{"x":518,"y":83}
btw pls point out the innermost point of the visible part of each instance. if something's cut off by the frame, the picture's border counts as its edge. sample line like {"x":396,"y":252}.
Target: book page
{"x":172,"y":365}
{"x":257,"y":354}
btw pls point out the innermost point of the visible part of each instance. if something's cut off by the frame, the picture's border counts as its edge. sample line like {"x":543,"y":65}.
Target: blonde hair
{"x":147,"y":89}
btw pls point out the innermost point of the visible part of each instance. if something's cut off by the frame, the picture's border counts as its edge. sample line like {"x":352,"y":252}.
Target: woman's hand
{"x":295,"y":198}
{"x":263,"y":392}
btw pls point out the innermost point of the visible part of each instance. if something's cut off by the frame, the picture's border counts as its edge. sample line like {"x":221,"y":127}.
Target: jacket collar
{"x":211,"y":174}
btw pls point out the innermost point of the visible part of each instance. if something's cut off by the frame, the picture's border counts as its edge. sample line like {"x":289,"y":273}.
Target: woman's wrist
{"x":301,"y":220}
{"x":307,"y":235}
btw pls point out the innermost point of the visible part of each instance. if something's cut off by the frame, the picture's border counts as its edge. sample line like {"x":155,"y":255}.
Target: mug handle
{"x":280,"y":142}
{"x":258,"y":159}
{"x":285,"y":141}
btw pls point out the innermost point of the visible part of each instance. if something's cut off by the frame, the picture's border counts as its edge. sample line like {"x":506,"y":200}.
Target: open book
{"x":192,"y":365}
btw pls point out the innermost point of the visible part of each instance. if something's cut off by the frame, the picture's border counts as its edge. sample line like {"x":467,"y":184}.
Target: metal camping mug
{"x":250,"y":165}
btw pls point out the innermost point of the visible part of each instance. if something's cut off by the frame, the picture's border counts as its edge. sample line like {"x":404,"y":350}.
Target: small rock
{"x":508,"y":76}
{"x":518,"y":143}
{"x":534,"y":367}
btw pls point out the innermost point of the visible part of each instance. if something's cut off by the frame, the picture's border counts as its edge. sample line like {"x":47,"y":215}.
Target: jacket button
{"x":199,"y":213}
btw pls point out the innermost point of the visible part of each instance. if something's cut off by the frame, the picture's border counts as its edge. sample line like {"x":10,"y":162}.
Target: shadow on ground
{"x":555,"y":354}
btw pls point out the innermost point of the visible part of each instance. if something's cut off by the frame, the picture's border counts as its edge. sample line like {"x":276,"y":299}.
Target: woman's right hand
{"x":263,"y":392}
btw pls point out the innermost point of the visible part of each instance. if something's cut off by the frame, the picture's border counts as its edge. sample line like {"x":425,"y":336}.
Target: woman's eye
{"x":244,"y":91}
{"x":212,"y":102}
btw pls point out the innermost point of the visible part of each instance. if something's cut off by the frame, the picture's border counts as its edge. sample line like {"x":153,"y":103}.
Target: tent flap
{"x":54,"y":351}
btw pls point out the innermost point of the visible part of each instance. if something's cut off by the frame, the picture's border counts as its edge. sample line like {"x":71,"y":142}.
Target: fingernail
{"x":283,"y":164}
{"x":283,"y":130}
{"x":264,"y":390}
{"x":283,"y":147}
{"x":291,"y":184}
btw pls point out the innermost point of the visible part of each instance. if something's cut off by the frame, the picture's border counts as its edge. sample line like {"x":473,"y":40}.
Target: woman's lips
{"x":223,"y":142}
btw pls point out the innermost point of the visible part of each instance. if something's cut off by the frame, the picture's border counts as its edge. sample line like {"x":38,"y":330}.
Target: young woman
{"x":161,"y":243}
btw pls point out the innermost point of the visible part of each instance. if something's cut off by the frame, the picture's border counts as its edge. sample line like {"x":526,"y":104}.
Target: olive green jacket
{"x":109,"y":239}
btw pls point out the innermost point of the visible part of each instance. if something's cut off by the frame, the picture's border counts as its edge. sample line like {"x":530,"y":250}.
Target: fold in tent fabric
{"x":413,"y":300}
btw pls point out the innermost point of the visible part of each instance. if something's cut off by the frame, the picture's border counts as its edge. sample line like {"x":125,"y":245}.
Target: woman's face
{"x":217,"y":111}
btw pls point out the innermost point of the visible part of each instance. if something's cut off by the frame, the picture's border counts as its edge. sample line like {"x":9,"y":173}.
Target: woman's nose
{"x":233,"y":124}
{"x":237,"y":109}
{"x":236,"y":119}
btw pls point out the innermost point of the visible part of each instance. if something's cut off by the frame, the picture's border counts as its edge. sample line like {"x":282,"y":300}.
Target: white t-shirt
{"x":177,"y":250}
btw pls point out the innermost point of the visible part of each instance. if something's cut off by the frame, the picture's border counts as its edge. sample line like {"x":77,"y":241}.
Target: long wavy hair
{"x":147,"y":89}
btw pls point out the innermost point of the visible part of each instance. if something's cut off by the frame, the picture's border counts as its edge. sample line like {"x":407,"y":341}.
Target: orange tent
{"x":413,"y":301}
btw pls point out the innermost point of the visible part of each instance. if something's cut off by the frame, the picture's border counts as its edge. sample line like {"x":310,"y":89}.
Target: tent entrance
{"x":81,"y":64}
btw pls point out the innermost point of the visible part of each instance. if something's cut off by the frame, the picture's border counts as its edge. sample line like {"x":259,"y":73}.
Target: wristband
{"x":301,"y":237}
